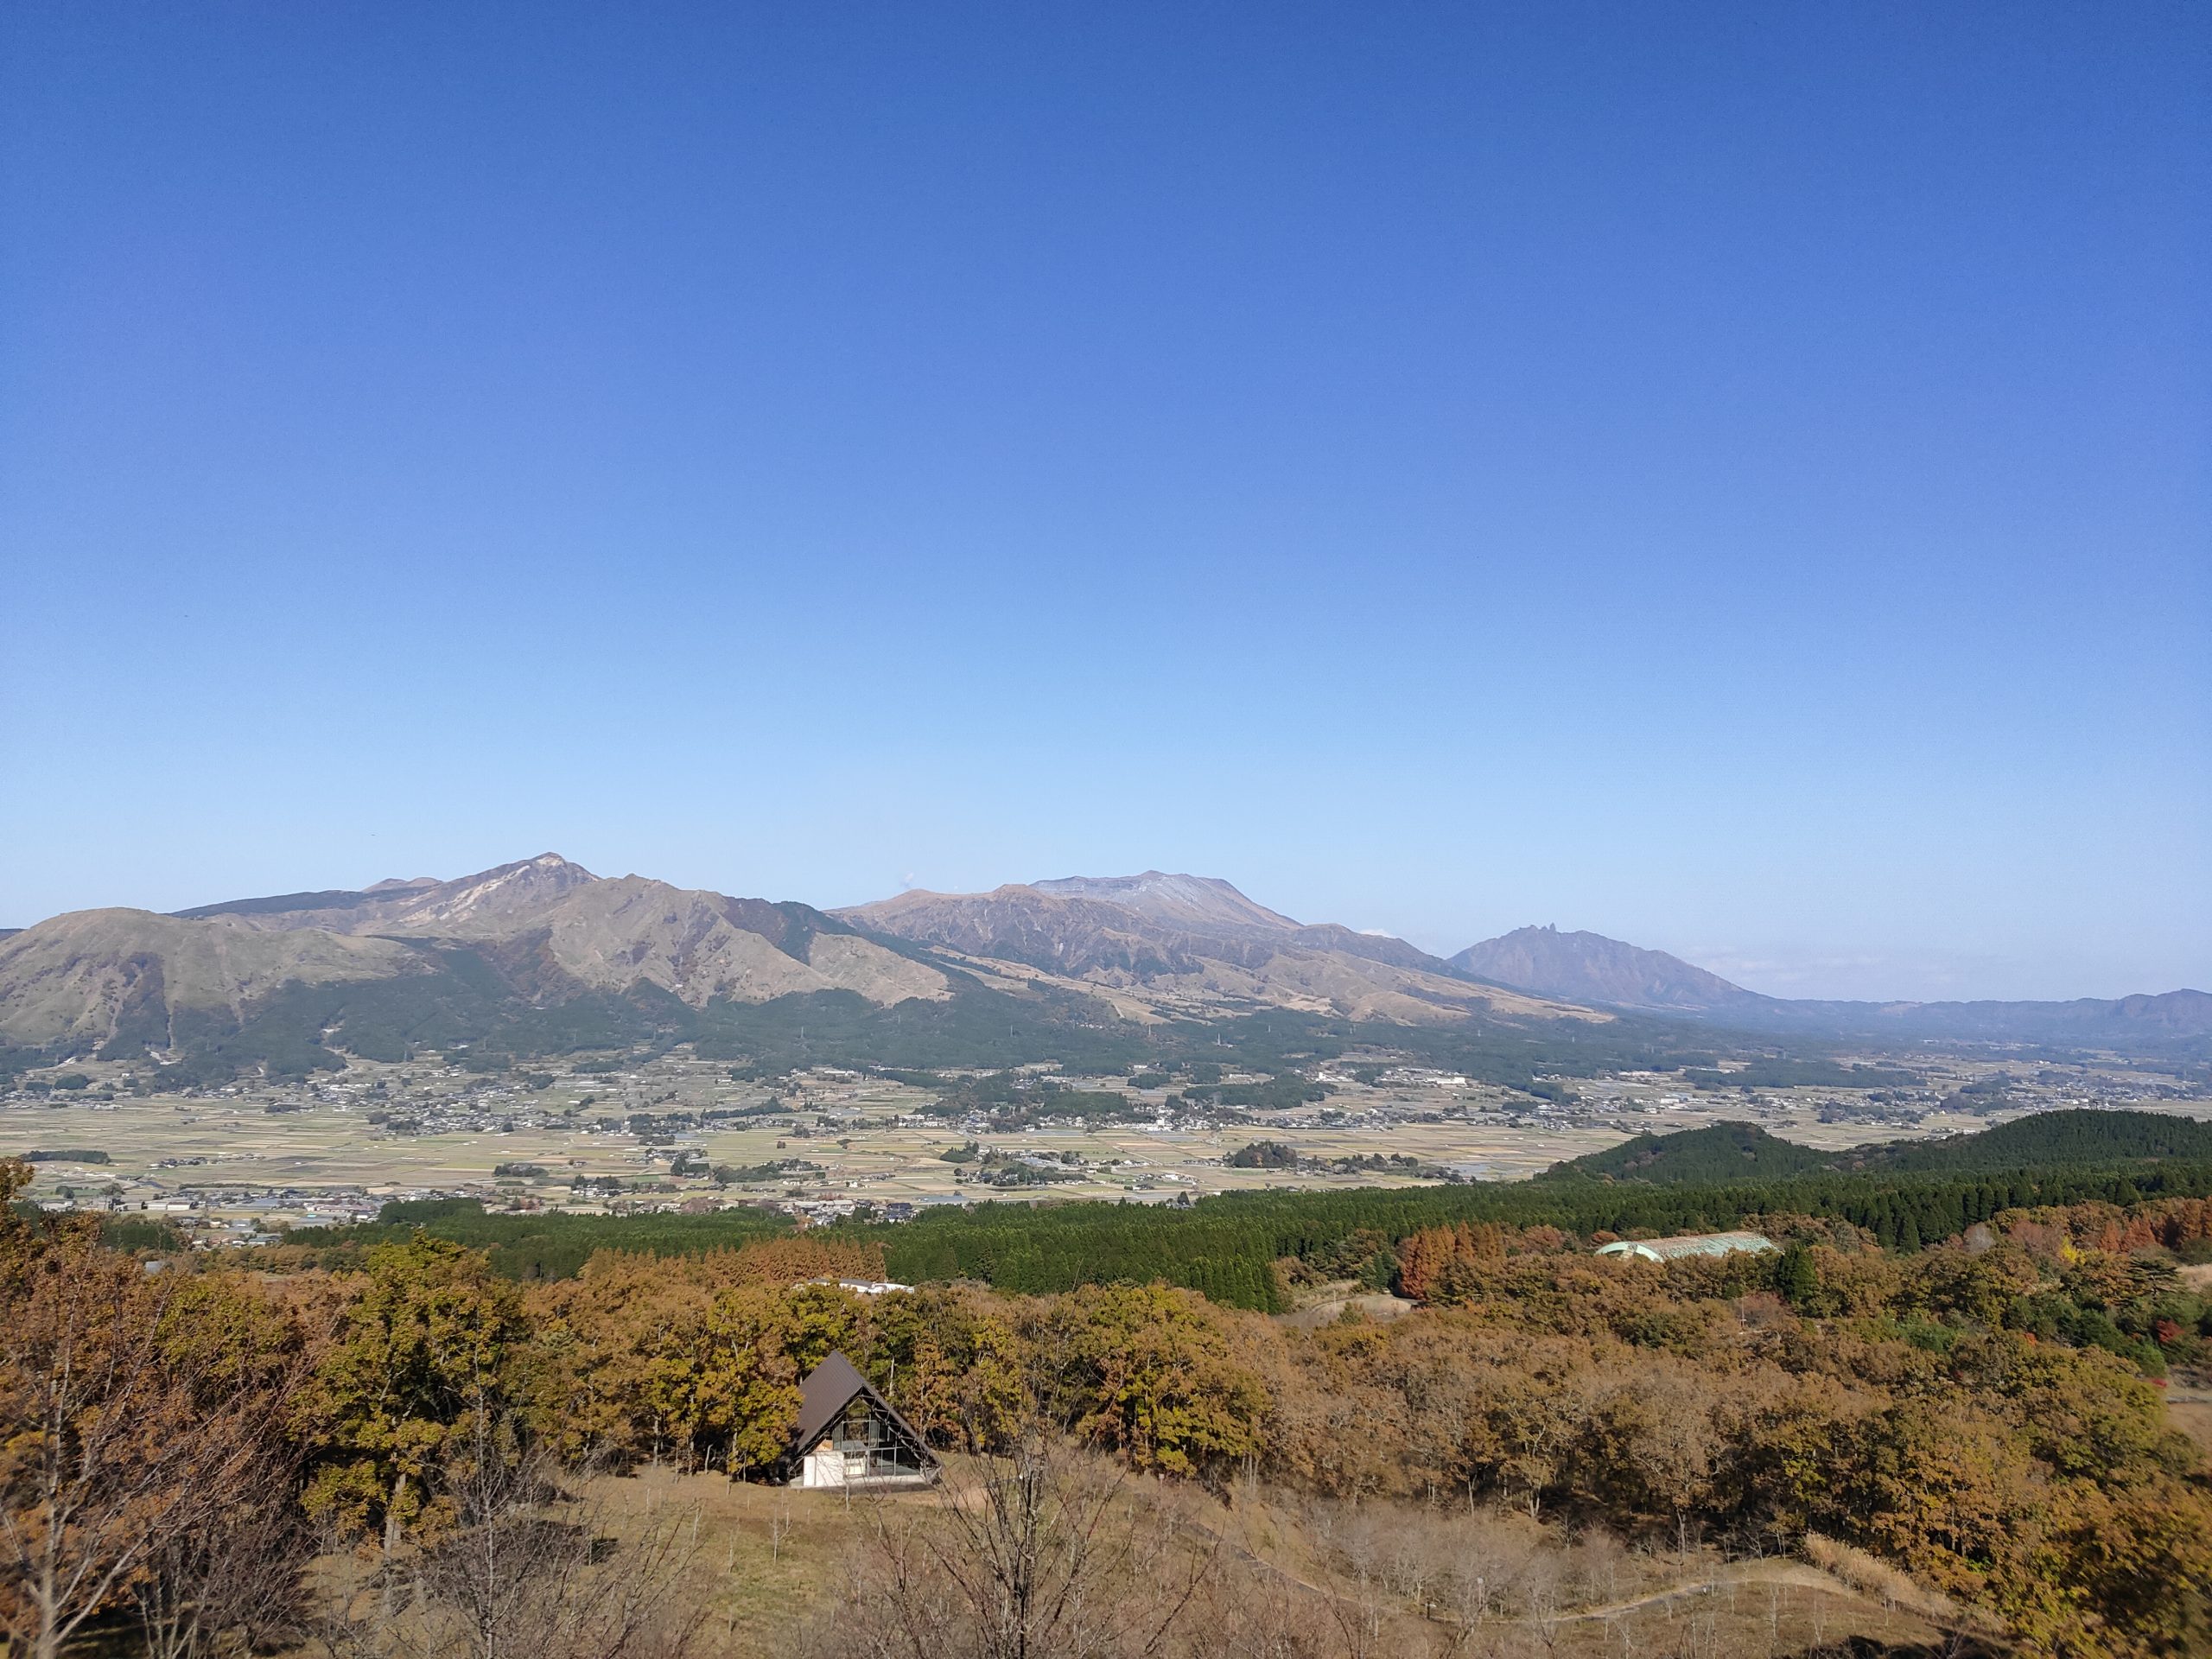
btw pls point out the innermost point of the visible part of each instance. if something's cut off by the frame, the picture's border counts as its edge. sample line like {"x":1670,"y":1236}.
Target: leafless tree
{"x":1253,"y":1610}
{"x":1042,"y":1551}
{"x":1473,"y":1577}
{"x":119,"y":1438}
{"x":235,"y":1569}
{"x":531,"y":1567}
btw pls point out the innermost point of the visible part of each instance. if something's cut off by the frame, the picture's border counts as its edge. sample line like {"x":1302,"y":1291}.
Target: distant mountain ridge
{"x":543,"y":956}
{"x":546,"y":930}
{"x":479,"y":902}
{"x":1187,"y":940}
{"x":1198,"y":902}
{"x":1591,"y":969}
{"x":542,"y":950}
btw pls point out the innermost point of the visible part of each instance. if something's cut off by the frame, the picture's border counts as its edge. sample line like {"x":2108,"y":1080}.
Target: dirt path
{"x":1782,"y":1574}
{"x":1793,"y":1575}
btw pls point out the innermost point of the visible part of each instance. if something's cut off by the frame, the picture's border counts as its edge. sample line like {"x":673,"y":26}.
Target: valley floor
{"x":233,"y":1163}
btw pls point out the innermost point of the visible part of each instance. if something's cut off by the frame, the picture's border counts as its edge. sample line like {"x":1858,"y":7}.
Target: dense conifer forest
{"x":1227,"y":1247}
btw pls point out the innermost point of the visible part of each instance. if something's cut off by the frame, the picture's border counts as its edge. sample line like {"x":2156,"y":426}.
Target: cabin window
{"x":870,"y":1445}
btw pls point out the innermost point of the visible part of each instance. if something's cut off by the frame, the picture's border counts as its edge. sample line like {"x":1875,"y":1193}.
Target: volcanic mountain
{"x":543,"y":955}
{"x":1593,"y":969}
{"x":610,"y":934}
{"x":1191,"y":943}
{"x":543,"y":930}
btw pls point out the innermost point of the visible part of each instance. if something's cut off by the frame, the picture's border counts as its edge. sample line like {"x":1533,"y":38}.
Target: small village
{"x":243,"y":1163}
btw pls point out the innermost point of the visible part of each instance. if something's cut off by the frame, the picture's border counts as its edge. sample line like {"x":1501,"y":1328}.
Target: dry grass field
{"x":779,"y":1574}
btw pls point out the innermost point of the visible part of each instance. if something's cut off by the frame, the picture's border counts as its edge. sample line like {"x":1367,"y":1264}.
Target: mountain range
{"x":543,"y":932}
{"x":544,"y":954}
{"x":1588,"y":968}
{"x":1192,"y":945}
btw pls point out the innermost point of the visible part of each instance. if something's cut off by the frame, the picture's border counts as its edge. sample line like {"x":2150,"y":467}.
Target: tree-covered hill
{"x":1719,"y":1152}
{"x":1738,"y":1152}
{"x":2073,"y":1136}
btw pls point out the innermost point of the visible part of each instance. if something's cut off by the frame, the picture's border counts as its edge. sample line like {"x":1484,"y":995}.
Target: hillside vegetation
{"x":2074,"y":1136}
{"x":1735,"y":1152}
{"x":401,"y":1440}
{"x":1719,"y":1151}
{"x":1243,"y":1249}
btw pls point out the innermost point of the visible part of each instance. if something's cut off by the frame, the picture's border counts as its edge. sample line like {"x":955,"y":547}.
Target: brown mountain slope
{"x":514,"y":892}
{"x":1202,"y":903}
{"x":551,"y":930}
{"x":1195,"y":942}
{"x":559,"y":919}
{"x":77,"y":976}
{"x":608,"y":935}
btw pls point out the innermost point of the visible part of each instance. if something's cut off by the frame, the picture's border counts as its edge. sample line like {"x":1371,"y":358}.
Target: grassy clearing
{"x":777,"y":1568}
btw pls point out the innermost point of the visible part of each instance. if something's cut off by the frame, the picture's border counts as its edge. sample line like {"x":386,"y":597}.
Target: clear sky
{"x":1738,"y":478}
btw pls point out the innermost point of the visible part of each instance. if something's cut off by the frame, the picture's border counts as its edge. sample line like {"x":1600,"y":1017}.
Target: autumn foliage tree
{"x":695,"y":1362}
{"x":1148,"y":1371}
{"x":1981,"y":1415}
{"x":141,"y":1415}
{"x":956,"y":1363}
{"x":432,"y":1342}
{"x":1441,"y":1263}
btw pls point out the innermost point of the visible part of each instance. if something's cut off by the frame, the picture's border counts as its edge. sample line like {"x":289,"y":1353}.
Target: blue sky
{"x":1735,"y":478}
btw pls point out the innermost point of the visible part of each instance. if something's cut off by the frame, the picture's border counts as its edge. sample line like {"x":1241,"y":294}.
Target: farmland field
{"x":675,"y":1129}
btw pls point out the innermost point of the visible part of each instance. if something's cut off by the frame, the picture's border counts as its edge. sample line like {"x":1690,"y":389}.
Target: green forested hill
{"x":2074,"y":1136}
{"x":1737,"y":1152}
{"x":1719,"y":1151}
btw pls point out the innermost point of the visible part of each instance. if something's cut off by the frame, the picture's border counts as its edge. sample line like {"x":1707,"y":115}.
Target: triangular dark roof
{"x":829,"y":1389}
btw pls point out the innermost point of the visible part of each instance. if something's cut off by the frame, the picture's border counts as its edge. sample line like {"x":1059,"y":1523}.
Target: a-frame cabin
{"x":849,"y":1435}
